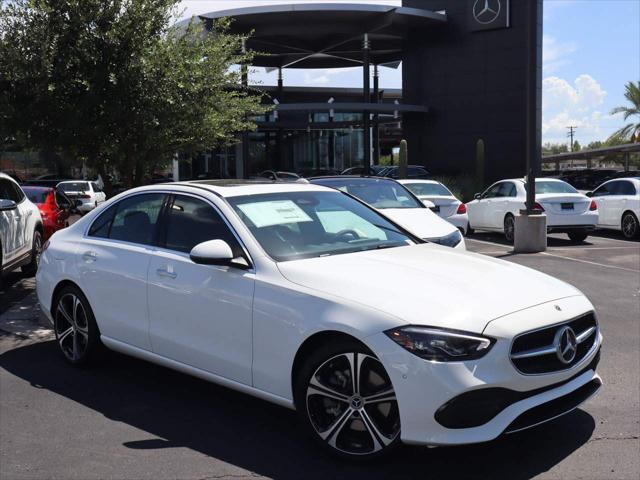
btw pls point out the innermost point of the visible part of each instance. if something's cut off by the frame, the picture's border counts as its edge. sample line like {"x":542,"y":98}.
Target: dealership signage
{"x":488,"y":14}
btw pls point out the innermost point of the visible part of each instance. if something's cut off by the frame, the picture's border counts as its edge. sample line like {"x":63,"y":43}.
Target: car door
{"x":622,"y":194}
{"x":602,"y":195}
{"x":113,"y":262}
{"x":500,"y":205}
{"x":201,"y":315}
{"x":8,"y":224}
{"x":480,"y":211}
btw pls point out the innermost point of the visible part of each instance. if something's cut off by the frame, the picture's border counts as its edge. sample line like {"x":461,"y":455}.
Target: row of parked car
{"x":30,"y":213}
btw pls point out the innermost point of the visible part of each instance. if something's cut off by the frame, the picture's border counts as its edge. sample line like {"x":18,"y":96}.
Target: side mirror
{"x":429,"y":204}
{"x":477,"y":196}
{"x":212,"y":252}
{"x":77,"y":203}
{"x":6,"y":205}
{"x":589,"y":194}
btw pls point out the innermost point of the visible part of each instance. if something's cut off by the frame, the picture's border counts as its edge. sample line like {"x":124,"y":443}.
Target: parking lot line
{"x":596,"y":248}
{"x":591,"y":263}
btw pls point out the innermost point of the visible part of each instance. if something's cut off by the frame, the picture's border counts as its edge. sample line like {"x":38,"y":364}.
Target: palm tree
{"x":631,"y":131}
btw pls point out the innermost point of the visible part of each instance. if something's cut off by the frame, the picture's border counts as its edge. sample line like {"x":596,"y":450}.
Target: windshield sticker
{"x":277,"y":212}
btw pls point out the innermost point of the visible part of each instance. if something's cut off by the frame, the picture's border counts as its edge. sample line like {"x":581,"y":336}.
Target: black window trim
{"x":18,"y":189}
{"x":162,"y":220}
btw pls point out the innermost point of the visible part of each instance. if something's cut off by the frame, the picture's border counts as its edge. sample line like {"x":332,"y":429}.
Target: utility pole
{"x":570,"y":133}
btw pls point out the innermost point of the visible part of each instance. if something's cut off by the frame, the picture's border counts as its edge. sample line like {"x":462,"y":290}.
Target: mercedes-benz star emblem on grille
{"x":566,"y":344}
{"x":486,"y":11}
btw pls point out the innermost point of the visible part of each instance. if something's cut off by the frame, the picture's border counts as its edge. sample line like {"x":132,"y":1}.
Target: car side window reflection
{"x":191,"y":221}
{"x":132,"y":220}
{"x":603,"y":191}
{"x":493,"y":191}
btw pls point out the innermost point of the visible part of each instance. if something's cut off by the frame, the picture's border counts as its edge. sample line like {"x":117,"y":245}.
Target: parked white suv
{"x":88,"y":195}
{"x":20,"y":229}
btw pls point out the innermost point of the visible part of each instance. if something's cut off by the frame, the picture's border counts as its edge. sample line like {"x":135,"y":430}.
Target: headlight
{"x":451,"y":240}
{"x":441,"y":345}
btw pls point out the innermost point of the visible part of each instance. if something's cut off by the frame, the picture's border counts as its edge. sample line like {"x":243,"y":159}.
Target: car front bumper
{"x":423,"y":388}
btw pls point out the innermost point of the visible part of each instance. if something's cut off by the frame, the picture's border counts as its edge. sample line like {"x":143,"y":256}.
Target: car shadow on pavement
{"x":263,"y":438}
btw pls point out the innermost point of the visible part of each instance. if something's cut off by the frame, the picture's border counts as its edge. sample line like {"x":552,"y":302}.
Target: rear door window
{"x":133,"y":219}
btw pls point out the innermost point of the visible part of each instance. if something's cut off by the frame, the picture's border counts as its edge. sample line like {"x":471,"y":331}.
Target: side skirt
{"x":127,"y":349}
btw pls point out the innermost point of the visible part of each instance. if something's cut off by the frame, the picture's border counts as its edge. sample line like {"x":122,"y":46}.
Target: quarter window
{"x":191,"y":221}
{"x":623,"y":188}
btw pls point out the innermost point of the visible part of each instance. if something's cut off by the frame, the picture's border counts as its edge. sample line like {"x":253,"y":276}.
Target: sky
{"x":591,"y":48}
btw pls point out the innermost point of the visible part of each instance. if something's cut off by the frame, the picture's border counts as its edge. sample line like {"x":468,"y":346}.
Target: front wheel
{"x":346,"y":400}
{"x":36,"y":250}
{"x":578,"y":235}
{"x":75,"y":326}
{"x":509,"y":228}
{"x":630,"y":226}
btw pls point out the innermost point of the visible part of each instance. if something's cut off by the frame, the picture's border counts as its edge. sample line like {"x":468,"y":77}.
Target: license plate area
{"x":566,"y":206}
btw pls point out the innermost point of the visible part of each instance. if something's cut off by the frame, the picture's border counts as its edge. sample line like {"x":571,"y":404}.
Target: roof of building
{"x":327,"y":35}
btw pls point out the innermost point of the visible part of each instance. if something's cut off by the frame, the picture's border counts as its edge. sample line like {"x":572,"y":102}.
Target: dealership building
{"x":462,"y":107}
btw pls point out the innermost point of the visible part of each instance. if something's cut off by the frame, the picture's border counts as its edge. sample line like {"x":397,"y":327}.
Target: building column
{"x":245,"y":135}
{"x":366,"y":74}
{"x":376,"y":126}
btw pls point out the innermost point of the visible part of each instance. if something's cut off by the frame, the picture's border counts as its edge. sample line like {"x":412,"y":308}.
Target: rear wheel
{"x":345,"y":398}
{"x":75,"y":326}
{"x":578,"y":235}
{"x":630,"y":226}
{"x":36,"y":251}
{"x":509,"y":228}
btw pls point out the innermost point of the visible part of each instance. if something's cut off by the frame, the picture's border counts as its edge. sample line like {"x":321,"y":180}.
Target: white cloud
{"x":577,"y":104}
{"x":555,"y":54}
{"x":324,"y":76}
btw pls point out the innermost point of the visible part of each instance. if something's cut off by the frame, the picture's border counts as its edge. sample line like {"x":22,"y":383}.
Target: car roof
{"x":38,"y":187}
{"x":418,"y":180}
{"x":370,"y":178}
{"x":238,"y":188}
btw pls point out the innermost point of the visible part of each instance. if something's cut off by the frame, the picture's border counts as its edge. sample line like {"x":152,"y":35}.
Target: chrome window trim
{"x":156,"y":247}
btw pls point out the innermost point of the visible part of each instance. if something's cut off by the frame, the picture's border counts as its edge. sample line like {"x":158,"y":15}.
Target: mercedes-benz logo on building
{"x":486,"y":11}
{"x":566,"y":344}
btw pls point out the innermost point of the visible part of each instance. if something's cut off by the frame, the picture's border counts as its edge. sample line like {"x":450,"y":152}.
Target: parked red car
{"x":55,"y":207}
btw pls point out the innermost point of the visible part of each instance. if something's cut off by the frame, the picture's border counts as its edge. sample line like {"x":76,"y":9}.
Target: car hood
{"x":422,"y":222}
{"x":428,"y":284}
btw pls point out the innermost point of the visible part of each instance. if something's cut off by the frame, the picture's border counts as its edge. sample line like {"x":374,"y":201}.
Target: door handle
{"x":90,"y":256}
{"x":163,"y":272}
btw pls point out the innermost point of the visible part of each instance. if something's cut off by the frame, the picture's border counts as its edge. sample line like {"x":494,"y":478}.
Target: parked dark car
{"x":374,"y":170}
{"x":413,"y":171}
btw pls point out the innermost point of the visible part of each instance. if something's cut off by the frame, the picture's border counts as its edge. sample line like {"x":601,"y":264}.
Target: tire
{"x":578,"y":235}
{"x":356,"y":425}
{"x":36,"y":250}
{"x":470,"y":231}
{"x":75,"y":327}
{"x":630,"y":226}
{"x":509,"y":228}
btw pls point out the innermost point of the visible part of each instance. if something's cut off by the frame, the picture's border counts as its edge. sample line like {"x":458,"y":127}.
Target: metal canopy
{"x":326,"y":35}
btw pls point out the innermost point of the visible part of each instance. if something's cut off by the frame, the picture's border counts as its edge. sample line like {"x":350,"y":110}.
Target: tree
{"x":111,"y":82}
{"x":631,"y":131}
{"x":576,"y":146}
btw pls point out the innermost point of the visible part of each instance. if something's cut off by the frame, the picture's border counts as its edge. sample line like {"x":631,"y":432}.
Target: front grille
{"x":536,"y":352}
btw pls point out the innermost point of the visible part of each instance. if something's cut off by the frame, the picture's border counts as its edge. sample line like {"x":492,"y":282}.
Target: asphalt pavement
{"x":124,"y":418}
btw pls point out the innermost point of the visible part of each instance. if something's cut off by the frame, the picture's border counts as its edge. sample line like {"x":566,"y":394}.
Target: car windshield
{"x":296,"y":225}
{"x":74,"y":186}
{"x":543,"y":186}
{"x":425,"y":189}
{"x":36,"y":195}
{"x":378,"y":193}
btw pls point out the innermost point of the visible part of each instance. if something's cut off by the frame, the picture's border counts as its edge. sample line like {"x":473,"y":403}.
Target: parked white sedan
{"x":445,"y":204}
{"x":398,"y":203}
{"x":567,"y":210}
{"x":619,"y":205}
{"x":88,"y":195}
{"x":305,"y":297}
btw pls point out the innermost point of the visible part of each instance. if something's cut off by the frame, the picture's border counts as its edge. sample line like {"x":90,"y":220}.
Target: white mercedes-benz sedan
{"x":619,"y":205}
{"x":567,"y":210}
{"x":445,"y":203}
{"x":306,"y":297}
{"x":397,"y":202}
